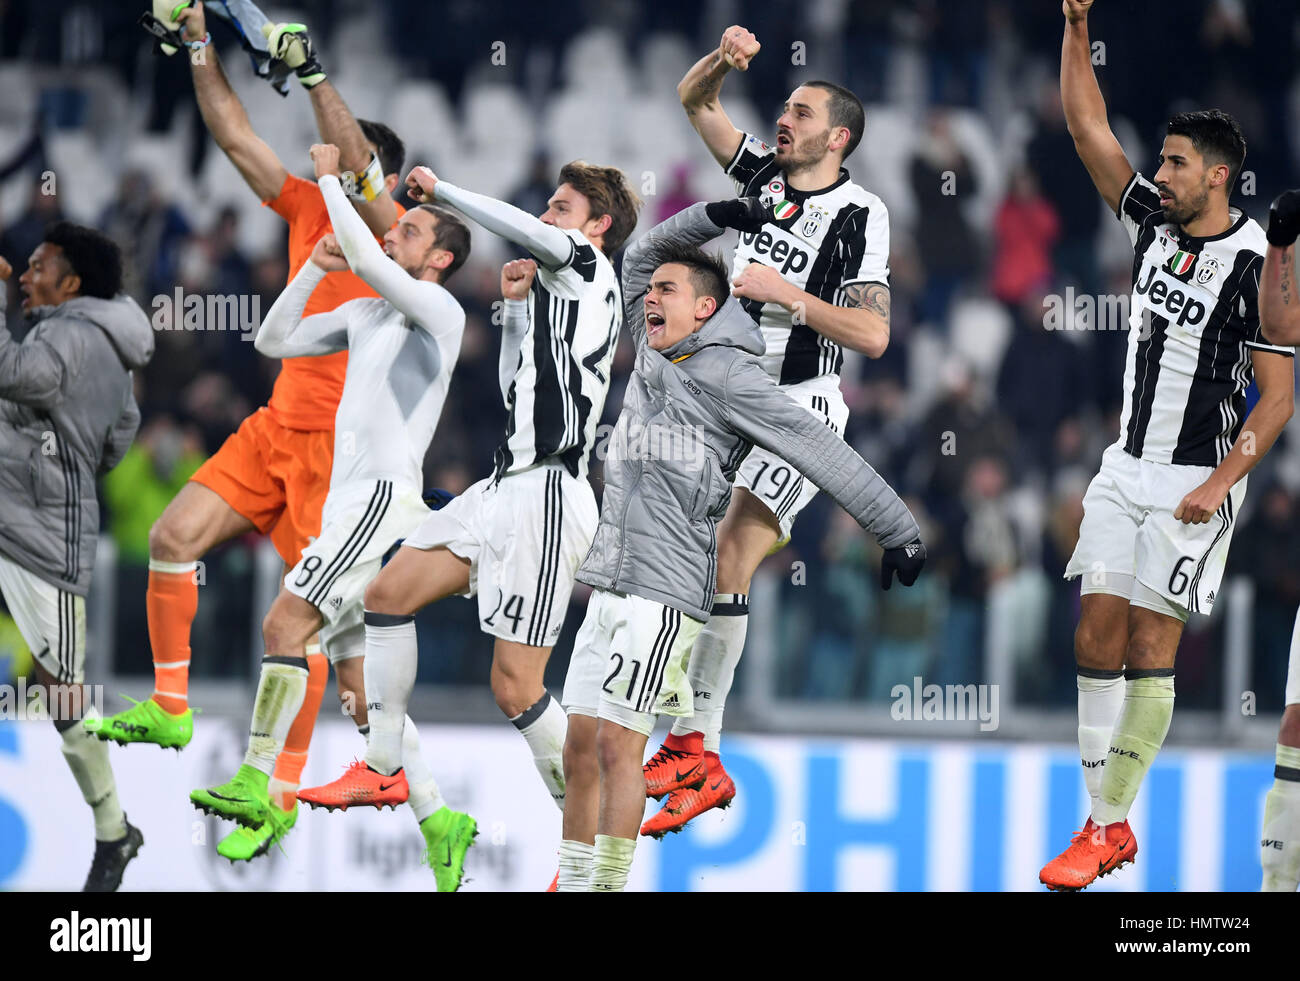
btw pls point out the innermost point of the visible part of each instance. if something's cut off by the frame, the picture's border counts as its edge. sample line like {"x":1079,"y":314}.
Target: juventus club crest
{"x":1207,"y":269}
{"x":812,"y":221}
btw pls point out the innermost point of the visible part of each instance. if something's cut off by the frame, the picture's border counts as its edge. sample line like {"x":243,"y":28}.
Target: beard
{"x":1183,"y":211}
{"x":806,"y":153}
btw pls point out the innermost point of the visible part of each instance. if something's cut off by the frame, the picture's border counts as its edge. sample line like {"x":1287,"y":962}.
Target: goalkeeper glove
{"x":291,"y":44}
{"x":1284,"y":219}
{"x":164,"y":26}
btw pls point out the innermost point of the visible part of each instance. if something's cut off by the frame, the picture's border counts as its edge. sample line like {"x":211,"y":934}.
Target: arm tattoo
{"x":1288,"y":265}
{"x":869,"y":296}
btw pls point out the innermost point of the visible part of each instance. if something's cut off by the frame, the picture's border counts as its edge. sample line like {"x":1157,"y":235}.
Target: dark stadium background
{"x":495,"y":95}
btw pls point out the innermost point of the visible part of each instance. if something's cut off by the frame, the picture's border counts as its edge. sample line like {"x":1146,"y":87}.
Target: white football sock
{"x":280,"y":691}
{"x":611,"y":861}
{"x":1280,"y":845}
{"x":423,"y":796}
{"x":544,"y":727}
{"x":712,"y":667}
{"x":87,"y":758}
{"x":392,"y":657}
{"x":575,"y":866}
{"x":1101,"y":696}
{"x":1139,"y":733}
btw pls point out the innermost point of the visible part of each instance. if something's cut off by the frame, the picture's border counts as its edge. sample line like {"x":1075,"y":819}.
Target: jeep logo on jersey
{"x":787,"y":258}
{"x":1171,"y":299}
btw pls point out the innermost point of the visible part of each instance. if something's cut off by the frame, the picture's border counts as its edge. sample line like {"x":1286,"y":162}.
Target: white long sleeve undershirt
{"x":548,"y":244}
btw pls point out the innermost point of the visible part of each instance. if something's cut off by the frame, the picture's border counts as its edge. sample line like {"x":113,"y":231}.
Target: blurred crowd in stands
{"x":990,"y":423}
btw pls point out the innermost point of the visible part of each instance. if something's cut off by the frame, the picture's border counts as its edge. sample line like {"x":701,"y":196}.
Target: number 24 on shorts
{"x":514,"y":610}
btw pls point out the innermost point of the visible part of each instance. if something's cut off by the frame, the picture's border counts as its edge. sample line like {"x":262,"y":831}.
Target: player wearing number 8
{"x":402,"y":347}
{"x":516,"y":537}
{"x":1159,"y":515}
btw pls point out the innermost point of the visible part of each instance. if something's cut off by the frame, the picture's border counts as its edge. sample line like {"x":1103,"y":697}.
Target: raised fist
{"x":326,"y":158}
{"x":517,"y":278}
{"x":420,"y":183}
{"x":328,"y":255}
{"x":1075,"y":10}
{"x":738,"y":46}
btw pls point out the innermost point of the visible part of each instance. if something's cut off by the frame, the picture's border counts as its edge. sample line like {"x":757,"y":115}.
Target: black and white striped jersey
{"x":1193,"y":323}
{"x":822,"y":242}
{"x":558,"y":391}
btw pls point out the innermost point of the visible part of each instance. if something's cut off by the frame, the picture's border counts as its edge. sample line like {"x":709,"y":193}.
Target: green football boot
{"x":144,"y":722}
{"x":245,"y":844}
{"x":447,"y":837}
{"x":243,"y":799}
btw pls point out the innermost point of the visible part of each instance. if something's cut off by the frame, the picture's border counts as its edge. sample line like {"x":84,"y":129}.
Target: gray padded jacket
{"x":67,"y":415}
{"x":691,"y":414}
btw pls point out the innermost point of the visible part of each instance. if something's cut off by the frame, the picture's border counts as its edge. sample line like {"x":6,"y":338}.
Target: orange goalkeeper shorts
{"x":275,"y":477}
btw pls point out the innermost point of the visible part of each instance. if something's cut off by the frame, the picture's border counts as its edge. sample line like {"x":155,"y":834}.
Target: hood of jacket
{"x":120,"y":318}
{"x":731,"y":326}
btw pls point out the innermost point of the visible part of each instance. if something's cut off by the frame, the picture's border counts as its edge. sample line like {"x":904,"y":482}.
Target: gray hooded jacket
{"x":691,"y":414}
{"x":67,"y":415}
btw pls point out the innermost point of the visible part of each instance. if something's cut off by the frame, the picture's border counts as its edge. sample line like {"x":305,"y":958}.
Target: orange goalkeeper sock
{"x":171,"y":601}
{"x":283,"y":786}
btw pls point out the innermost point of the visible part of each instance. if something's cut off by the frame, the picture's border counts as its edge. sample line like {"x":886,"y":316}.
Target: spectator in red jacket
{"x":1025,"y":229}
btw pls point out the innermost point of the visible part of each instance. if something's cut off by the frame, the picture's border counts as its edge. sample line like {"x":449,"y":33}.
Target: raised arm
{"x":701,"y":85}
{"x":284,"y":332}
{"x":516,"y":280}
{"x":548,"y":244}
{"x":691,"y":226}
{"x":695,"y":225}
{"x":31,"y":373}
{"x":337,"y":125}
{"x":1085,"y":110}
{"x":1279,"y":303}
{"x":423,"y":303}
{"x":224,"y":114}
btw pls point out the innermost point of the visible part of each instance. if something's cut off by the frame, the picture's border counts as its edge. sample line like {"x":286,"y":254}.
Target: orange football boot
{"x":718,"y":790}
{"x":359,"y":786}
{"x":678,"y":765}
{"x":1094,"y":851}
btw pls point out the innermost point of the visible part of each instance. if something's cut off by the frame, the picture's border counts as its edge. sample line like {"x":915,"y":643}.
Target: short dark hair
{"x":1216,"y":136}
{"x":451,"y":233}
{"x":708,"y":271}
{"x":609,"y":193}
{"x":389,"y":146}
{"x":91,"y":255}
{"x":845,"y":109}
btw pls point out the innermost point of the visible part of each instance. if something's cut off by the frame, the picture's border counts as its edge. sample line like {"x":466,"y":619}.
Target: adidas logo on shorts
{"x":671,"y":701}
{"x":336,"y":601}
